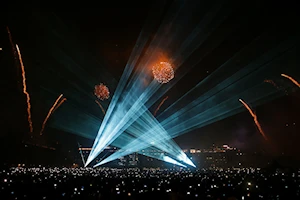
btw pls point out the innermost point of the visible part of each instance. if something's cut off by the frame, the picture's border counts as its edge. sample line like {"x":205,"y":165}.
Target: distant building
{"x":224,"y":156}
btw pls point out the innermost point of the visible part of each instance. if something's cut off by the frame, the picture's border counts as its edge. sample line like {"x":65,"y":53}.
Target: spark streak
{"x":291,"y":79}
{"x":161,"y":103}
{"x":271,"y":82}
{"x":50,"y":112}
{"x":11,"y":43}
{"x":254,"y":118}
{"x":97,"y":102}
{"x":25,"y":90}
{"x":59,"y":104}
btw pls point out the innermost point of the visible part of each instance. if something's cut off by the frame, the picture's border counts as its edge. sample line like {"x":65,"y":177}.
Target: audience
{"x":111,"y":183}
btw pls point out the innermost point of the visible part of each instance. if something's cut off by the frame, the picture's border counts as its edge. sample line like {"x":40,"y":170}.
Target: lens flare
{"x":101,"y":91}
{"x":254,"y":118}
{"x":50,"y":112}
{"x":25,"y":90}
{"x":99,"y":104}
{"x":291,"y":79}
{"x":161,"y":103}
{"x":163,"y":72}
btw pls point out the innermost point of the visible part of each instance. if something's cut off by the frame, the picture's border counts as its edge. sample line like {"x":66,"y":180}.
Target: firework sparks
{"x":59,"y":104}
{"x":101,"y":91}
{"x":50,"y":112}
{"x":11,"y":43}
{"x":161,"y":103}
{"x":291,"y":79}
{"x":99,"y":104}
{"x":271,"y":82}
{"x":163,"y":72}
{"x":275,"y":85}
{"x":25,"y":90}
{"x":254,"y":118}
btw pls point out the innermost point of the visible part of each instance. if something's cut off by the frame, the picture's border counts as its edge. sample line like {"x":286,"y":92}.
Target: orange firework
{"x":163,"y":72}
{"x":161,"y":103}
{"x":59,"y":104}
{"x":275,"y":85}
{"x":291,"y":79}
{"x":101,"y":91}
{"x":11,"y":43}
{"x":25,"y":90}
{"x":271,"y":82}
{"x":255,"y":118}
{"x":50,"y":112}
{"x":97,"y":102}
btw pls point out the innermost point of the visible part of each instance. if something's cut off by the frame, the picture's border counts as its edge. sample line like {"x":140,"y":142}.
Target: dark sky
{"x":60,"y":44}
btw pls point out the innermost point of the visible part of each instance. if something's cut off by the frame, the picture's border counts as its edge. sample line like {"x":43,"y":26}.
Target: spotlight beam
{"x":216,"y":113}
{"x":230,"y":83}
{"x":261,"y":61}
{"x":168,"y":146}
{"x":150,"y":90}
{"x":137,"y":50}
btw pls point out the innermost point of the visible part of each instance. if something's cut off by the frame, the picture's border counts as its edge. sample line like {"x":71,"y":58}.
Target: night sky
{"x":71,"y":48}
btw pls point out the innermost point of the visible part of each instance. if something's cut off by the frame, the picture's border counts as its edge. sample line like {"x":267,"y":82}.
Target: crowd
{"x":109,"y":183}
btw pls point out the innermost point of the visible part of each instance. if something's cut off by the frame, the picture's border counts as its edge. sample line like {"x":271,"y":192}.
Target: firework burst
{"x":163,"y":72}
{"x":101,"y":91}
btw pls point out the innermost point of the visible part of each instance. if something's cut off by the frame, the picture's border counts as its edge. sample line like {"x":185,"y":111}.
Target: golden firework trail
{"x":59,"y":104}
{"x":49,"y":113}
{"x":291,"y":79}
{"x":161,"y":103}
{"x":25,"y":90}
{"x":97,"y":102}
{"x":254,"y":118}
